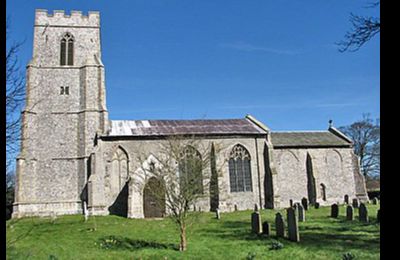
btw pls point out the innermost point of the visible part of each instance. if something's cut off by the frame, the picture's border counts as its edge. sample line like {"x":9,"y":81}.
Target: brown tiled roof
{"x":183,"y":127}
{"x":307,"y":139}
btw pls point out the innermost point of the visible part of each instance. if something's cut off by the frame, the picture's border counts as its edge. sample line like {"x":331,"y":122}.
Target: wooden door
{"x":154,"y":199}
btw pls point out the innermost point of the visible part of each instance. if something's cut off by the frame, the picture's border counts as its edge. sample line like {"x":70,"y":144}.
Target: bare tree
{"x":363,"y":29}
{"x":183,"y":169}
{"x":15,"y":94}
{"x":366,"y":138}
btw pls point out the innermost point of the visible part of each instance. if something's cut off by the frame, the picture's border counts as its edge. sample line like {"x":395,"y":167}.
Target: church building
{"x":73,"y":158}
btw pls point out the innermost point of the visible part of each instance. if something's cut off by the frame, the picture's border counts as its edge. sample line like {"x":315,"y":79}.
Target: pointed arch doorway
{"x":154,"y":198}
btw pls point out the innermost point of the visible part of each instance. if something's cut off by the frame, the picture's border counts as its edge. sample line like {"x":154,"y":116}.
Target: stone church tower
{"x":65,"y":110}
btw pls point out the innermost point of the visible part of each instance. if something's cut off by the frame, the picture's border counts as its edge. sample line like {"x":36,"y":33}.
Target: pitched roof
{"x":308,"y":139}
{"x":183,"y":127}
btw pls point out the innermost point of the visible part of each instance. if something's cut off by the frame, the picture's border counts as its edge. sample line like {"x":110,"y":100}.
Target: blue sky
{"x":275,"y":60}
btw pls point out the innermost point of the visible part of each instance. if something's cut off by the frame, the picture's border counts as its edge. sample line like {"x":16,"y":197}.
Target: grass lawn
{"x":69,"y":237}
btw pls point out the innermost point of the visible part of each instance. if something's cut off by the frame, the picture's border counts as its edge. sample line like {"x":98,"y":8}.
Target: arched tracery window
{"x":119,"y":172}
{"x":240,"y":169}
{"x":67,"y":50}
{"x":190,"y":171}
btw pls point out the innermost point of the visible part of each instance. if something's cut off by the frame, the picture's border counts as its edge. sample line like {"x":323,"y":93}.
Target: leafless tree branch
{"x":15,"y":95}
{"x":181,"y":165}
{"x":366,"y":138}
{"x":363,"y":29}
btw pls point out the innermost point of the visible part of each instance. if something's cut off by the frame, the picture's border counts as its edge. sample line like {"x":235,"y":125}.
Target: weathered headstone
{"x":302,"y":213}
{"x":346,"y":199}
{"x":256,"y":225}
{"x":363,"y":213}
{"x":355,"y":203}
{"x":279,"y":225}
{"x":217,"y":213}
{"x":349,"y":213}
{"x":304,"y":202}
{"x":334,"y":211}
{"x":53,"y":217}
{"x":378,"y":215}
{"x":291,"y":203}
{"x":316,"y":205}
{"x":266,"y":228}
{"x":375,"y":201}
{"x":293,"y":225}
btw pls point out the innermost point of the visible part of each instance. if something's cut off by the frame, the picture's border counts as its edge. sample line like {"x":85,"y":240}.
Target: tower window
{"x":67,"y":50}
{"x":64,"y":90}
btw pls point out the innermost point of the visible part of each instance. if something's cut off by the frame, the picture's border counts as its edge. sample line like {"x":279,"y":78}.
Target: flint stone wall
{"x":332,"y":167}
{"x":146,"y":148}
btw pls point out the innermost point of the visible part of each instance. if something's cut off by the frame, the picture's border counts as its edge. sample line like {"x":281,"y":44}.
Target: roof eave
{"x":339,"y":134}
{"x":165,"y":136}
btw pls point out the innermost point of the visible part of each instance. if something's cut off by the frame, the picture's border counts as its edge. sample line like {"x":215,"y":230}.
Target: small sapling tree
{"x":180,"y":174}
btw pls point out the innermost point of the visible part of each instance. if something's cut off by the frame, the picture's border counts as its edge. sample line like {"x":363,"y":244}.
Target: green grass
{"x":69,"y":237}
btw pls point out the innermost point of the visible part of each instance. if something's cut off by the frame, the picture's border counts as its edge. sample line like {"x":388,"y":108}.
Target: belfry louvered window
{"x":67,"y":50}
{"x":240,"y":169}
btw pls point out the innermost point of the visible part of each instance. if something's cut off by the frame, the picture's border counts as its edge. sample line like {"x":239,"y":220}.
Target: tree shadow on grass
{"x":335,"y":242}
{"x":124,"y":243}
{"x":331,"y":238}
{"x":232,"y":230}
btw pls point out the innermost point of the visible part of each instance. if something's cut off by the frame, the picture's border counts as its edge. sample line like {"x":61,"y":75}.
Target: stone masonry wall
{"x":59,"y":130}
{"x":331,"y":167}
{"x":227,"y":199}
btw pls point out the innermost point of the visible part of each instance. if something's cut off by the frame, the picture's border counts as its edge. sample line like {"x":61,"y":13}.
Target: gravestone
{"x":355,"y":203}
{"x":296,"y":210}
{"x":316,"y":205}
{"x":304,"y":202}
{"x":334,"y":211}
{"x":349,"y":213}
{"x":346,"y":199}
{"x":363,"y":213}
{"x":266,"y":228}
{"x":302,"y":213}
{"x":293,"y":225}
{"x":217,"y":213}
{"x":378,"y":216}
{"x":256,"y":225}
{"x":375,"y":201}
{"x":279,"y":225}
{"x":291,"y":203}
{"x":236,"y":208}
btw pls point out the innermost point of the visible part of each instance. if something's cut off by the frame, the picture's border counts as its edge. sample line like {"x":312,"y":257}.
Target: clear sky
{"x":276,"y":60}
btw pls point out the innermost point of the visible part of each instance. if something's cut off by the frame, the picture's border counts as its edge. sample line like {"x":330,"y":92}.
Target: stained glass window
{"x":240,"y":169}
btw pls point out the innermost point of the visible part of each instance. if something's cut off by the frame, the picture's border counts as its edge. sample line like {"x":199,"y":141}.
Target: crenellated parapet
{"x":60,"y":18}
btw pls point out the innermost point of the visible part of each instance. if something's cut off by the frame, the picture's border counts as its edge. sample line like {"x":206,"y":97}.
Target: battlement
{"x":60,"y":18}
